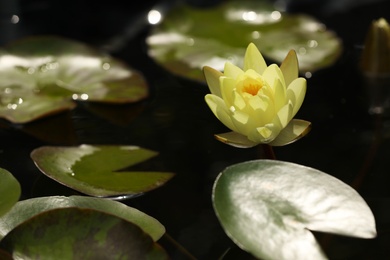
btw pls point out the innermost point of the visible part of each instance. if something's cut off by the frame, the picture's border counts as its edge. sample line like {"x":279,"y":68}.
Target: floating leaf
{"x":9,"y":191}
{"x":43,"y":75}
{"x":267,"y":207}
{"x":26,"y":209}
{"x":96,"y":170}
{"x":74,"y":233}
{"x":188,"y":38}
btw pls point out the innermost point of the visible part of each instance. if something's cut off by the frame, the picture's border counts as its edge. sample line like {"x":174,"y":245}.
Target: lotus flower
{"x":259,"y":102}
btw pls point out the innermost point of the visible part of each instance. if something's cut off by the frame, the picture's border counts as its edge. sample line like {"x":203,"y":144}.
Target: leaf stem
{"x":367,"y":163}
{"x":183,"y":250}
{"x":268,"y":151}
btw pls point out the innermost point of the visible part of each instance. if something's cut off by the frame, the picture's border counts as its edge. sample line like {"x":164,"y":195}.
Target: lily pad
{"x":74,"y":233}
{"x":44,"y":75}
{"x":267,"y":207}
{"x":98,"y":170}
{"x":26,"y":209}
{"x":188,"y":39}
{"x":9,"y":191}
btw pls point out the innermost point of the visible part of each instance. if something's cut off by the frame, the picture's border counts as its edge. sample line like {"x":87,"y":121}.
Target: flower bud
{"x":376,"y":53}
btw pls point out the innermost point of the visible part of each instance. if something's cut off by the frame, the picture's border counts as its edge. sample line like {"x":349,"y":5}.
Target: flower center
{"x":252,"y":88}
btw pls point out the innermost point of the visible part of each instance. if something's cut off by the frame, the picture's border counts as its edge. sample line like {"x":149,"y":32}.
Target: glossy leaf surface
{"x":267,"y":207}
{"x":9,"y":191}
{"x":74,"y":233}
{"x":98,"y":170}
{"x":44,"y":75}
{"x":188,"y":39}
{"x":25,"y":209}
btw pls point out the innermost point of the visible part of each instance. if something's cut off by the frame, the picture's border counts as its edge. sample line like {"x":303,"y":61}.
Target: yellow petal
{"x":218,"y":107}
{"x":238,"y":100}
{"x":295,"y":130}
{"x":253,"y":74}
{"x":296,"y":92}
{"x":257,"y":103}
{"x":285,"y":114}
{"x":254,"y":60}
{"x":272,"y":73}
{"x":240,"y":121}
{"x":262,"y":108}
{"x":264,"y":134}
{"x":212,"y":79}
{"x":231,"y":70}
{"x":228,"y":86}
{"x":235,"y":139}
{"x":280,"y":97}
{"x":289,"y":67}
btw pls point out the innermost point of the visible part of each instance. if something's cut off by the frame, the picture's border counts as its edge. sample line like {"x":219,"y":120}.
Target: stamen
{"x":252,"y":89}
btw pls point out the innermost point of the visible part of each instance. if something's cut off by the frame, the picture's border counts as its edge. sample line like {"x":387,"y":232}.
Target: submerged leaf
{"x":96,"y":170}
{"x":189,"y":39}
{"x":74,"y":233}
{"x":267,"y":207}
{"x":43,"y":75}
{"x":26,"y":209}
{"x":9,"y":191}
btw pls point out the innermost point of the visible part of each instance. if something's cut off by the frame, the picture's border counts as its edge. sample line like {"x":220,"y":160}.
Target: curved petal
{"x":295,"y":130}
{"x":240,"y":121}
{"x":218,"y":107}
{"x":266,"y":94}
{"x":235,"y":139}
{"x":253,"y":74}
{"x":267,"y":133}
{"x":285,"y":114}
{"x":232,"y":71}
{"x":296,"y":92}
{"x":254,"y":60}
{"x":228,"y":85}
{"x":289,"y":67}
{"x":264,"y":134}
{"x":280,"y":97}
{"x":260,"y":107}
{"x":212,"y":78}
{"x":238,"y":100}
{"x":271,"y":73}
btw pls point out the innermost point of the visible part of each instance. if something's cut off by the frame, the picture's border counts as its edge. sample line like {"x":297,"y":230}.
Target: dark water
{"x":346,"y":141}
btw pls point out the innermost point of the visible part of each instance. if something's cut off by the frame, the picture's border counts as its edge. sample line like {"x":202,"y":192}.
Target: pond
{"x":345,"y":141}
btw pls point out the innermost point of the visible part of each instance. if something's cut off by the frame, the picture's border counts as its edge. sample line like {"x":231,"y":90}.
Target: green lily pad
{"x":188,"y":39}
{"x":25,"y":209}
{"x":9,"y":191}
{"x":267,"y":207}
{"x":74,"y":233}
{"x":44,"y":75}
{"x":98,"y":170}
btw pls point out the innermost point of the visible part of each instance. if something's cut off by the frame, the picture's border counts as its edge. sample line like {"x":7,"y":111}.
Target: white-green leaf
{"x":188,"y":38}
{"x":267,"y":207}
{"x":26,"y":209}
{"x":44,"y":75}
